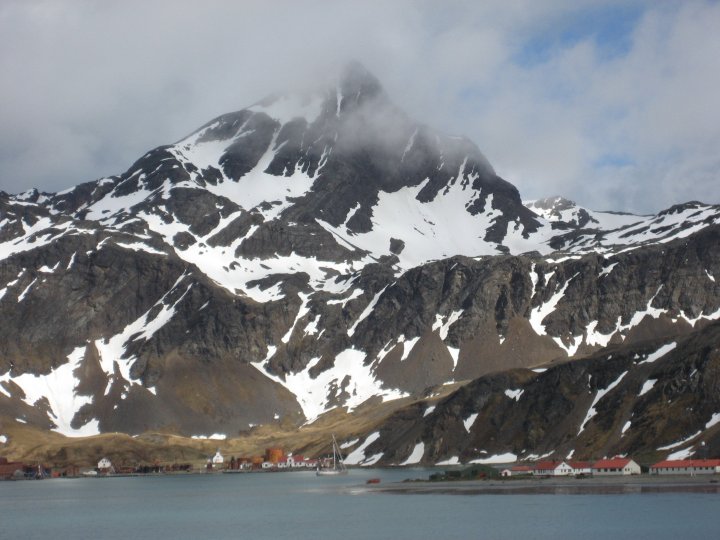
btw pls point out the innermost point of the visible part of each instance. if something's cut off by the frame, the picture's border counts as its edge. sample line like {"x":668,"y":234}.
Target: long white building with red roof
{"x":562,"y":468}
{"x":615,"y":467}
{"x":686,"y":466}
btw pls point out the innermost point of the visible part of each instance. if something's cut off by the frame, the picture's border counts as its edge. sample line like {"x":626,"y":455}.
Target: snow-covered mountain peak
{"x":343,"y":164}
{"x":563,"y":213}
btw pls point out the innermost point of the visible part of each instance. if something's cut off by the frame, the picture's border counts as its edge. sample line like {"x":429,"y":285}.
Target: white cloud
{"x":88,"y":87}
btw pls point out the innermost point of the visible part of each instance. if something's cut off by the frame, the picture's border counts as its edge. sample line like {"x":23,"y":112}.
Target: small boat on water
{"x":373,"y":481}
{"x":338,"y":466}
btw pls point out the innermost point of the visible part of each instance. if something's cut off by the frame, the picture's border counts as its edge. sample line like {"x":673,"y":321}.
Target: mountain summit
{"x":322,"y":251}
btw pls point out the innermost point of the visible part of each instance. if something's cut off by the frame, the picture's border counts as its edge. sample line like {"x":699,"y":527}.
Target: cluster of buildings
{"x":106,"y":467}
{"x":17,"y":470}
{"x":617,"y":466}
{"x":274,"y":459}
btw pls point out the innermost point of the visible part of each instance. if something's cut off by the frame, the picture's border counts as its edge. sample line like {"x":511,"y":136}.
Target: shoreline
{"x":557,"y":486}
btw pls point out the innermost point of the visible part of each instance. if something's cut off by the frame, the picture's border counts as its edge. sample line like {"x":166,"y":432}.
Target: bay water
{"x":300,"y":506}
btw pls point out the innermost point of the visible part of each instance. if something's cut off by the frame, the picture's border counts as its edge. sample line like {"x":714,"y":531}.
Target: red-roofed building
{"x":580,"y":467}
{"x":517,"y":470}
{"x":615,"y":467}
{"x":553,"y":468}
{"x":294,"y":461}
{"x":686,"y":466}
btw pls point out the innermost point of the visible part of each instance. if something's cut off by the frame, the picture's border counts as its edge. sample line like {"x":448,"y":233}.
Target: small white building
{"x":615,"y":467}
{"x":295,"y":461}
{"x":104,"y":464}
{"x":218,"y":459}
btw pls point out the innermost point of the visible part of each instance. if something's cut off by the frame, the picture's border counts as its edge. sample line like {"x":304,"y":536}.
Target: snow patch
{"x":443,"y":326}
{"x":605,"y":271}
{"x":538,"y":314}
{"x":681,"y":454}
{"x":454,"y":354}
{"x":302,"y":311}
{"x":662,"y":351}
{"x":647,"y":386}
{"x":680,"y":443}
{"x":27,"y":290}
{"x":367,"y":311}
{"x":713,"y":421}
{"x":357,"y":456}
{"x":469,"y":421}
{"x":601,"y":393}
{"x":416,"y":455}
{"x":508,"y":457}
{"x":514,"y":394}
{"x":408,"y":347}
{"x":372,"y":460}
{"x":139,"y":246}
{"x":575,"y":342}
{"x":213,"y":437}
{"x":593,"y":337}
{"x":348,"y":444}
{"x":452,"y":461}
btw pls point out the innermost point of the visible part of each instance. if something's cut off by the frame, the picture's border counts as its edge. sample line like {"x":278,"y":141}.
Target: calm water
{"x":302,"y":506}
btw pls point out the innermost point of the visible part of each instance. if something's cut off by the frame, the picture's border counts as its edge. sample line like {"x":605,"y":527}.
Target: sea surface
{"x":300,"y":506}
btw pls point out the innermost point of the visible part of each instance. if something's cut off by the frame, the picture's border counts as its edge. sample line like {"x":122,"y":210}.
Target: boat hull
{"x":331,"y":473}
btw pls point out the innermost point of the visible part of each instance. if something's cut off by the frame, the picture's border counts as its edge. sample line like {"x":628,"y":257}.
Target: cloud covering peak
{"x":609,"y":103}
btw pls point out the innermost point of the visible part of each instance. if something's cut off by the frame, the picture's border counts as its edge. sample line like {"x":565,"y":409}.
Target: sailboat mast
{"x":334,"y":452}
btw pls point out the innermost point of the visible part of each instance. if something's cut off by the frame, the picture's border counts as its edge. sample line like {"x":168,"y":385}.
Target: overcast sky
{"x":613,"y":104}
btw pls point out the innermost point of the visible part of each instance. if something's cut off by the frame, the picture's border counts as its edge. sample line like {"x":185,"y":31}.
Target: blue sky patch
{"x":609,"y":27}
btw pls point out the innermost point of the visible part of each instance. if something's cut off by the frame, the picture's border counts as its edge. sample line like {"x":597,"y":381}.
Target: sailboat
{"x":338,"y":466}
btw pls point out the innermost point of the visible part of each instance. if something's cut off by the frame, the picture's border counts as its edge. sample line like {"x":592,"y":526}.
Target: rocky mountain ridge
{"x":314,"y":252}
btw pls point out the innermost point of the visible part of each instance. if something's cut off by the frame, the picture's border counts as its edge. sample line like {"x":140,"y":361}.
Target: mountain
{"x":323,"y":252}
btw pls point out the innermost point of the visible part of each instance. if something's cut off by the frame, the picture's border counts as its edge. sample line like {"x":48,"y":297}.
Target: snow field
{"x":58,"y":387}
{"x":314,"y":394}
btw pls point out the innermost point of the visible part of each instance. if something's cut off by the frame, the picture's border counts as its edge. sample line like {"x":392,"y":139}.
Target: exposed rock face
{"x":630,"y":399}
{"x":319,"y":251}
